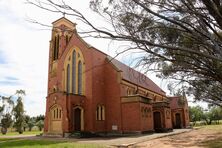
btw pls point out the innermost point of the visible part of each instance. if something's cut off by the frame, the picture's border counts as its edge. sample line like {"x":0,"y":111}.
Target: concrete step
{"x":54,"y":135}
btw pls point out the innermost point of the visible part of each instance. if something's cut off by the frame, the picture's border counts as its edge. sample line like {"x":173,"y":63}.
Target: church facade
{"x":90,"y":91}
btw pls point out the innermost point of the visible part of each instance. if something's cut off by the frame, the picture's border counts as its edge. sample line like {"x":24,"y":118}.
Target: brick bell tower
{"x":62,"y":31}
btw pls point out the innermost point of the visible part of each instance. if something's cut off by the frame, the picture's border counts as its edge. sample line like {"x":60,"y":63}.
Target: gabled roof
{"x":64,"y":21}
{"x":177,"y":102}
{"x":135,"y":77}
{"x":128,"y":73}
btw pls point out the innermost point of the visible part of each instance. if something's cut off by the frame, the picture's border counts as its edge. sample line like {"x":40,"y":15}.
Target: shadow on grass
{"x":24,"y":133}
{"x":6,"y":139}
{"x":22,"y":143}
{"x":216,"y":143}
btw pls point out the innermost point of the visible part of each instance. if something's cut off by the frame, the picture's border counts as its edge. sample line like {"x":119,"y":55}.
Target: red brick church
{"x":90,"y":91}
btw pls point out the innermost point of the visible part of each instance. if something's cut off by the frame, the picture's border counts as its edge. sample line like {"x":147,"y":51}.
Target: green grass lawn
{"x":217,"y":127}
{"x":214,"y":127}
{"x":24,"y":133}
{"x":217,"y":143}
{"x":22,"y":143}
{"x":6,"y":139}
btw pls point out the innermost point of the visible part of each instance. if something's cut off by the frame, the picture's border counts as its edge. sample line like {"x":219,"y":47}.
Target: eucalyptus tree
{"x":181,"y":40}
{"x":213,"y":114}
{"x":19,"y":112}
{"x":196,"y":114}
{"x":6,"y":113}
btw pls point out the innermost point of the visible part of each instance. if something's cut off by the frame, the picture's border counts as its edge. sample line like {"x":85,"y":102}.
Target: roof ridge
{"x":137,"y":77}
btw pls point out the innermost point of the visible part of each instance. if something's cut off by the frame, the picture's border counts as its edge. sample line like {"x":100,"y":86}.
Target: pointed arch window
{"x":67,"y":39}
{"x":56,"y":113}
{"x":54,"y":51}
{"x":80,"y":77}
{"x":74,"y":76}
{"x":68,"y":79}
{"x":56,"y":47}
{"x":100,"y":113}
{"x":74,"y":72}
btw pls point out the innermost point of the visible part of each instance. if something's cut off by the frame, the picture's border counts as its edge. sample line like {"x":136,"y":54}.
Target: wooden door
{"x":55,"y":118}
{"x":77,"y":119}
{"x":178,"y":120}
{"x":157,"y":120}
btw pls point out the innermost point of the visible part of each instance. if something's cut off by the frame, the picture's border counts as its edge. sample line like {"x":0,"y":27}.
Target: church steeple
{"x":61,"y":33}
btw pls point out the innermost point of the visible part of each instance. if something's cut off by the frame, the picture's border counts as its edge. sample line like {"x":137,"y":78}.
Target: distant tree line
{"x":211,"y":115}
{"x":12,"y":114}
{"x":30,"y":122}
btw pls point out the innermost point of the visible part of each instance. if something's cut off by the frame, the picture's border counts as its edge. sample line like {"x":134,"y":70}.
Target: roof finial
{"x":64,"y":14}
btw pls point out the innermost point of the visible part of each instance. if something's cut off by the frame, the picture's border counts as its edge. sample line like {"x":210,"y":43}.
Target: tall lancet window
{"x":57,"y":47}
{"x":68,"y":79}
{"x":74,"y":72}
{"x":74,"y":76}
{"x":54,"y":49}
{"x":67,"y":39}
{"x":80,"y":77}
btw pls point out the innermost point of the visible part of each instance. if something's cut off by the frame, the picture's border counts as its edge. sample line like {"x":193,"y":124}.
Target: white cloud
{"x":24,"y":49}
{"x":24,"y":52}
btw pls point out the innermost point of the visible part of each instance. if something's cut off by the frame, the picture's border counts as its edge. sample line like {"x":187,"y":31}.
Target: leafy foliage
{"x":38,"y":121}
{"x":181,"y":40}
{"x":40,"y":124}
{"x":214,"y":114}
{"x":40,"y":117}
{"x":196,"y":114}
{"x":1,"y":109}
{"x":19,"y":113}
{"x":6,"y":121}
{"x":5,"y":113}
{"x":31,"y":124}
{"x":12,"y":111}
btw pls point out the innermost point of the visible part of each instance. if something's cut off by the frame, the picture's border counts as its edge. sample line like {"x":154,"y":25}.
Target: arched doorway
{"x":78,"y":119}
{"x":178,"y":120}
{"x":55,"y":124}
{"x":157,"y":121}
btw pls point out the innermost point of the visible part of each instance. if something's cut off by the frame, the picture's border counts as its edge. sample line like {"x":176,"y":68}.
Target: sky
{"x":24,"y":49}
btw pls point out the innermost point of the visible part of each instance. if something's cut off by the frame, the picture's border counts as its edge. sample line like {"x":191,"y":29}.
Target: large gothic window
{"x":80,"y":77}
{"x":74,"y":72}
{"x":74,"y":75}
{"x":68,"y":79}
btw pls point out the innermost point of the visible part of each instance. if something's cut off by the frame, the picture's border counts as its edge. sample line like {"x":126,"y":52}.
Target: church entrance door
{"x":157,"y":121}
{"x":55,"y":124}
{"x":178,"y":120}
{"x":78,"y":119}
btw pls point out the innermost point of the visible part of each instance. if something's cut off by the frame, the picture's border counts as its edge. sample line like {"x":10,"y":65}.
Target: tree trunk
{"x":3,"y":130}
{"x":20,"y":130}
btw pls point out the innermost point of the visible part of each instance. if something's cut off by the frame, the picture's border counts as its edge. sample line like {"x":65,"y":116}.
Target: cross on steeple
{"x":64,"y":14}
